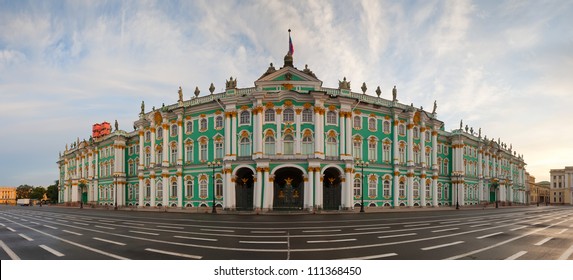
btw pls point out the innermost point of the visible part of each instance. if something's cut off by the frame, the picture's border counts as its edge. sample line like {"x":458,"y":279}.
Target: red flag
{"x":290,"y":46}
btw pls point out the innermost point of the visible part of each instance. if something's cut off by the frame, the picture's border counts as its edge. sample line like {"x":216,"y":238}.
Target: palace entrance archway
{"x":244,"y":189}
{"x":288,"y":189}
{"x":331,"y":189}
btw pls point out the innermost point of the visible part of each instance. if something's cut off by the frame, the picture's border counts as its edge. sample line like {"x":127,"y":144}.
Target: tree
{"x":23,"y":191}
{"x":38,"y":193}
{"x":52,"y":192}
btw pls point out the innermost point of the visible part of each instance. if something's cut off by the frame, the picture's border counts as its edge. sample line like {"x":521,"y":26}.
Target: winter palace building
{"x":289,"y":143}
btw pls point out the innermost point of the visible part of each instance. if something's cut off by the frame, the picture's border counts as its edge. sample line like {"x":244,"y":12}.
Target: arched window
{"x":203,"y":189}
{"x":357,"y":122}
{"x":440,"y":167}
{"x":446,"y":167}
{"x":158,"y":154}
{"x":386,"y":127}
{"x":189,"y":127}
{"x":189,"y":187}
{"x":269,"y":115}
{"x":173,"y":130}
{"x":440,"y":191}
{"x":203,"y":152}
{"x":402,"y":152}
{"x":357,"y":148}
{"x":331,"y":118}
{"x":331,"y":146}
{"x":245,"y":117}
{"x":357,"y":187}
{"x":447,"y":191}
{"x":269,"y":145}
{"x":136,"y":191}
{"x":173,"y":154}
{"x":401,"y":189}
{"x":402,"y":130}
{"x":219,"y":188}
{"x":416,"y":154}
{"x":189,"y":151}
{"x":372,"y":146}
{"x":427,"y":132}
{"x":147,"y":190}
{"x":219,"y":122}
{"x":160,"y":133}
{"x":428,"y":153}
{"x":219,"y":149}
{"x":416,"y":190}
{"x":416,"y":132}
{"x":147,"y":136}
{"x":288,"y":115}
{"x":159,"y":190}
{"x":386,"y":187}
{"x":307,"y":115}
{"x":386,"y":152}
{"x":288,"y":143}
{"x":428,"y":189}
{"x":372,"y":124}
{"x":203,"y":124}
{"x":372,"y":187}
{"x":130,"y":192}
{"x":245,"y":147}
{"x":174,"y":189}
{"x":307,"y":145}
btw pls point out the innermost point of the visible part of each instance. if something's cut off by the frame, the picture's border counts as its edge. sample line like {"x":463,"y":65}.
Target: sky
{"x":503,"y":66}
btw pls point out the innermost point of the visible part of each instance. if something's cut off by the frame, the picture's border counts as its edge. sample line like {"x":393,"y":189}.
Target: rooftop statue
{"x":307,"y":71}
{"x":435,"y":107}
{"x":364,"y":88}
{"x":230,"y":84}
{"x":394,"y":94}
{"x":344,"y":84}
{"x":197,"y":91}
{"x":142,"y":107}
{"x":180,"y":94}
{"x":116,"y":125}
{"x":378,"y":91}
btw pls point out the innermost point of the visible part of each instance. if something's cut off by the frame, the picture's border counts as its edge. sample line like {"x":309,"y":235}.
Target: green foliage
{"x":23,"y":191}
{"x":37,"y":193}
{"x":52,"y":192}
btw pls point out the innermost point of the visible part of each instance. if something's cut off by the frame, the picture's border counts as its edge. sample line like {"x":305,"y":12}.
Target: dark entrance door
{"x":331,"y":188}
{"x":288,"y":189}
{"x":244,"y":189}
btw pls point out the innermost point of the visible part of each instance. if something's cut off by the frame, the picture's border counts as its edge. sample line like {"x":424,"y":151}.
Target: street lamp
{"x":213,"y":165}
{"x":362,"y":164}
{"x":115,"y":176}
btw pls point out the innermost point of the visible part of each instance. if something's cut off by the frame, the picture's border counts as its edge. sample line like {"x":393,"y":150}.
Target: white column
{"x":228,"y":135}
{"x":317,"y":188}
{"x":298,"y":132}
{"x":141,"y":191}
{"x":269,"y":189}
{"x":348,"y":134}
{"x":342,"y":121}
{"x":141,"y":153}
{"x":234,"y":134}
{"x":318,"y":131}
{"x":259,"y":135}
{"x":152,"y":182}
{"x":180,"y":144}
{"x":395,"y":187}
{"x":348,"y":187}
{"x":410,"y":139}
{"x":410,"y":187}
{"x":257,"y":192}
{"x":435,"y":149}
{"x":395,"y":144}
{"x":423,"y":148}
{"x":423,"y":189}
{"x":230,"y":187}
{"x":165,"y":148}
{"x":279,"y":140}
{"x":166,"y":184}
{"x":179,"y":187}
{"x":309,"y":193}
{"x":255,"y":138}
{"x":152,"y":160}
{"x":435,"y":189}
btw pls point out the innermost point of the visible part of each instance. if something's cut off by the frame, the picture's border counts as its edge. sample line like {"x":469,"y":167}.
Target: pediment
{"x":287,"y":74}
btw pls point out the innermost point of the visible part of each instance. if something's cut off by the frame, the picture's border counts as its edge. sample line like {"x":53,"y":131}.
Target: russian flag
{"x":290,"y":46}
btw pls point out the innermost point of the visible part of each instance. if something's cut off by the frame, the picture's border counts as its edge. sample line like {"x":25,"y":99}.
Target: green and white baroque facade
{"x":290,"y":143}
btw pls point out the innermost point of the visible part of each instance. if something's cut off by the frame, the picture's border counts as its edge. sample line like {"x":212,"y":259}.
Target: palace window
{"x":173,"y":130}
{"x":331,"y":147}
{"x":307,"y":145}
{"x":357,"y":122}
{"x":147,"y":158}
{"x":428,"y":188}
{"x":173,"y":154}
{"x":372,"y":188}
{"x":136,"y":191}
{"x":357,"y":148}
{"x":245,"y":147}
{"x":129,"y":192}
{"x":219,"y":188}
{"x":447,"y":191}
{"x":159,"y":155}
{"x":189,"y":151}
{"x":159,"y":190}
{"x":372,"y":124}
{"x":357,"y":187}
{"x":131,"y":168}
{"x":440,"y":167}
{"x":428,"y":153}
{"x":386,"y":127}
{"x":245,"y":117}
{"x":203,"y":124}
{"x":219,"y":122}
{"x":189,"y":188}
{"x":446,"y":167}
{"x":331,"y":118}
{"x":372,"y":150}
{"x":189,"y":126}
{"x":218,"y":149}
{"x":401,"y":129}
{"x":416,"y":190}
{"x":416,"y":132}
{"x":174,"y":189}
{"x":307,"y":115}
{"x":386,"y":152}
{"x":428,"y":136}
{"x":288,"y":115}
{"x":147,"y":136}
{"x":402,"y":153}
{"x":160,"y":133}
{"x":203,"y":189}
{"x":147,"y":190}
{"x":288,"y":144}
{"x":401,"y":189}
{"x":269,"y":115}
{"x":269,"y":145}
{"x":386,"y":188}
{"x":416,"y":155}
{"x":440,"y":190}
{"x":203,"y":154}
